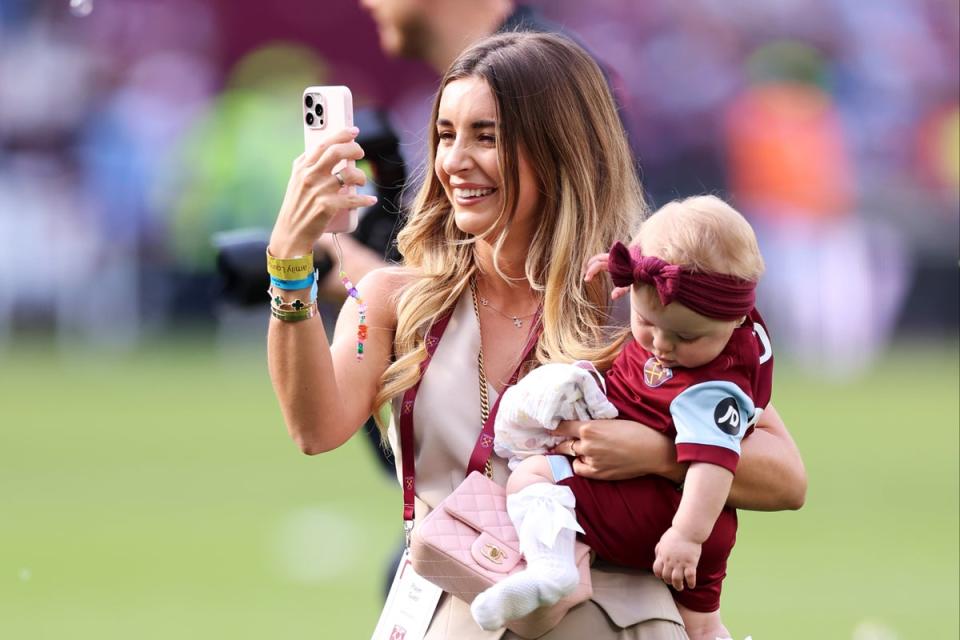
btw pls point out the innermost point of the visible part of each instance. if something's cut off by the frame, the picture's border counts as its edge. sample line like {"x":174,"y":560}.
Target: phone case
{"x":327,"y":109}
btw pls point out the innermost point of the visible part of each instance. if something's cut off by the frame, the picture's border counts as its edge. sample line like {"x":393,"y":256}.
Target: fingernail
{"x":354,"y":130}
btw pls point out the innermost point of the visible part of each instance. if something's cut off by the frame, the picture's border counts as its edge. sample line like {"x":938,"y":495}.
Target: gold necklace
{"x":517,"y":320}
{"x":484,"y":397}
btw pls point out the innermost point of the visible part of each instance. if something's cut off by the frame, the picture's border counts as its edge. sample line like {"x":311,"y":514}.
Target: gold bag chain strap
{"x":484,"y":395}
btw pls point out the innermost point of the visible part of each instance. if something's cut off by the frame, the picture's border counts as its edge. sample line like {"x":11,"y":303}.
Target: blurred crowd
{"x":132,"y":133}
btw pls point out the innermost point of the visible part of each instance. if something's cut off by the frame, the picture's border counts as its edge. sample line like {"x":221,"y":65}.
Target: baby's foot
{"x":520,"y":594}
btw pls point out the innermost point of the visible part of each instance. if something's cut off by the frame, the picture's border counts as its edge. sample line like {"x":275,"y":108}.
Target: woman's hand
{"x":617,"y":450}
{"x":770,"y":475}
{"x":314,"y":194}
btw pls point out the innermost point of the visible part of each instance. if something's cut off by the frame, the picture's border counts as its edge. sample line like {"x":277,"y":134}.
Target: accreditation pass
{"x":410,"y":605}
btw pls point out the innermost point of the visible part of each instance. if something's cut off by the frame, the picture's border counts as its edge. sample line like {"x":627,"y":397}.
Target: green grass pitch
{"x":157,"y":496}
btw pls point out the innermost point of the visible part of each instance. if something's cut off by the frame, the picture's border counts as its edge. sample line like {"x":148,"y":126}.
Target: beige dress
{"x":626,"y":604}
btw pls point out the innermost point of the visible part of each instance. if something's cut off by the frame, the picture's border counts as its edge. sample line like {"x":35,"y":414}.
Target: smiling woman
{"x":531,"y":176}
{"x":530,"y":116}
{"x":468,"y":165}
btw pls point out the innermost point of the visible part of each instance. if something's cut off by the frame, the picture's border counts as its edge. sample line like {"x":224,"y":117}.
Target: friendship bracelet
{"x":293,"y":285}
{"x":297,"y":268}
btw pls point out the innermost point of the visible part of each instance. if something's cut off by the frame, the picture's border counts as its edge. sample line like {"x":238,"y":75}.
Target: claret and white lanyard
{"x":484,"y":446}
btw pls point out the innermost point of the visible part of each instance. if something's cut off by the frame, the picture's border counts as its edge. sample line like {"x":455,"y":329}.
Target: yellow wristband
{"x":290,"y":268}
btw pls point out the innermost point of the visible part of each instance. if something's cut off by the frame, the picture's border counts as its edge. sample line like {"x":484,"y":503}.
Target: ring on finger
{"x":339,"y":176}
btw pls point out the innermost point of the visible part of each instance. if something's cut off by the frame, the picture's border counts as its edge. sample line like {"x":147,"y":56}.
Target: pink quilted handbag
{"x":468,"y":543}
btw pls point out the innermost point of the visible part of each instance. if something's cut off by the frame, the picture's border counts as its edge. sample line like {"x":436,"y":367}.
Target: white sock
{"x":541,"y":513}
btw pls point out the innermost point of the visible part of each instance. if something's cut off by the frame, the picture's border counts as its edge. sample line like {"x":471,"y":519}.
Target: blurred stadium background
{"x":148,"y":487}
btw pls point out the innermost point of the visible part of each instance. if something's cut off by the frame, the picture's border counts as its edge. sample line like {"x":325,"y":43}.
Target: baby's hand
{"x":677,"y":558}
{"x":596,"y":264}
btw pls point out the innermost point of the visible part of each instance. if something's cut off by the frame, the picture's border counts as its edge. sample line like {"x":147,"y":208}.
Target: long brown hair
{"x":552,"y":102}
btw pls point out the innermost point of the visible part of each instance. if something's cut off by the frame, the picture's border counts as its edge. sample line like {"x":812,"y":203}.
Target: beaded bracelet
{"x":296,"y":268}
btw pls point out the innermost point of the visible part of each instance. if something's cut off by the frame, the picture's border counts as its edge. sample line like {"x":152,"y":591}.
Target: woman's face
{"x":466,"y":161}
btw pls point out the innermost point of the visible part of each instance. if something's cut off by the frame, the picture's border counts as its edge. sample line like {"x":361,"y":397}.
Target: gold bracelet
{"x":280,"y":304}
{"x":296,"y":268}
{"x":293,"y":311}
{"x":287,"y":315}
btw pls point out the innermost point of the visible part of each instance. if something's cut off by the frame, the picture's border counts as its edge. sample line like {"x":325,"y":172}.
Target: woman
{"x":531,"y":176}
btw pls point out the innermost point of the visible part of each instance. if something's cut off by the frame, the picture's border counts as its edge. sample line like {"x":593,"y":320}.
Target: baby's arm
{"x":711,"y":418}
{"x":705,"y":492}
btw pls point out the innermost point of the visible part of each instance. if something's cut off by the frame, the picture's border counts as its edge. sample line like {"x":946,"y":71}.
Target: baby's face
{"x":677,"y":336}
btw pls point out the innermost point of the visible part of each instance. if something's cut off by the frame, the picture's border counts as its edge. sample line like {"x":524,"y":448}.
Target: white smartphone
{"x":327,"y":109}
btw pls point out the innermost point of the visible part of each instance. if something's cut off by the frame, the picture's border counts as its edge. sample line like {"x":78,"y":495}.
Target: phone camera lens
{"x":319,"y":110}
{"x":308,"y":101}
{"x":309,"y":118}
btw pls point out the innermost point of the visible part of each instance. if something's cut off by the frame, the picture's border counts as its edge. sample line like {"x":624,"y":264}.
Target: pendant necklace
{"x":517,"y":320}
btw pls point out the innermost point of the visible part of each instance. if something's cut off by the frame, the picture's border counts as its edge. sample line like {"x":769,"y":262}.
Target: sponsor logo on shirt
{"x":726,"y":415}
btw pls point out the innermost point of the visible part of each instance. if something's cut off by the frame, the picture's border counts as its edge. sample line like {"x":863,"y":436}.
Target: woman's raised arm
{"x":325,"y":393}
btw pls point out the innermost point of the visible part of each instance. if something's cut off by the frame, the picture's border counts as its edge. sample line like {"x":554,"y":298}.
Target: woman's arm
{"x":770,"y":475}
{"x":325,"y":393}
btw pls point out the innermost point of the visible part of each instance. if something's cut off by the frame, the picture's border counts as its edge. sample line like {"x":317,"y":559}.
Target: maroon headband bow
{"x":713,"y":295}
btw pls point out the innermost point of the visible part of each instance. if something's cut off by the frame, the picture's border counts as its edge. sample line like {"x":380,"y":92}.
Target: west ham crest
{"x":655,"y":374}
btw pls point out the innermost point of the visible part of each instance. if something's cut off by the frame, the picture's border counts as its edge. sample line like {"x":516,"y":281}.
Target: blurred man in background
{"x":436,"y":31}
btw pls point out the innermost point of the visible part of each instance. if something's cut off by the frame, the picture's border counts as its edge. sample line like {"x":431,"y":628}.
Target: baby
{"x":698,"y":369}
